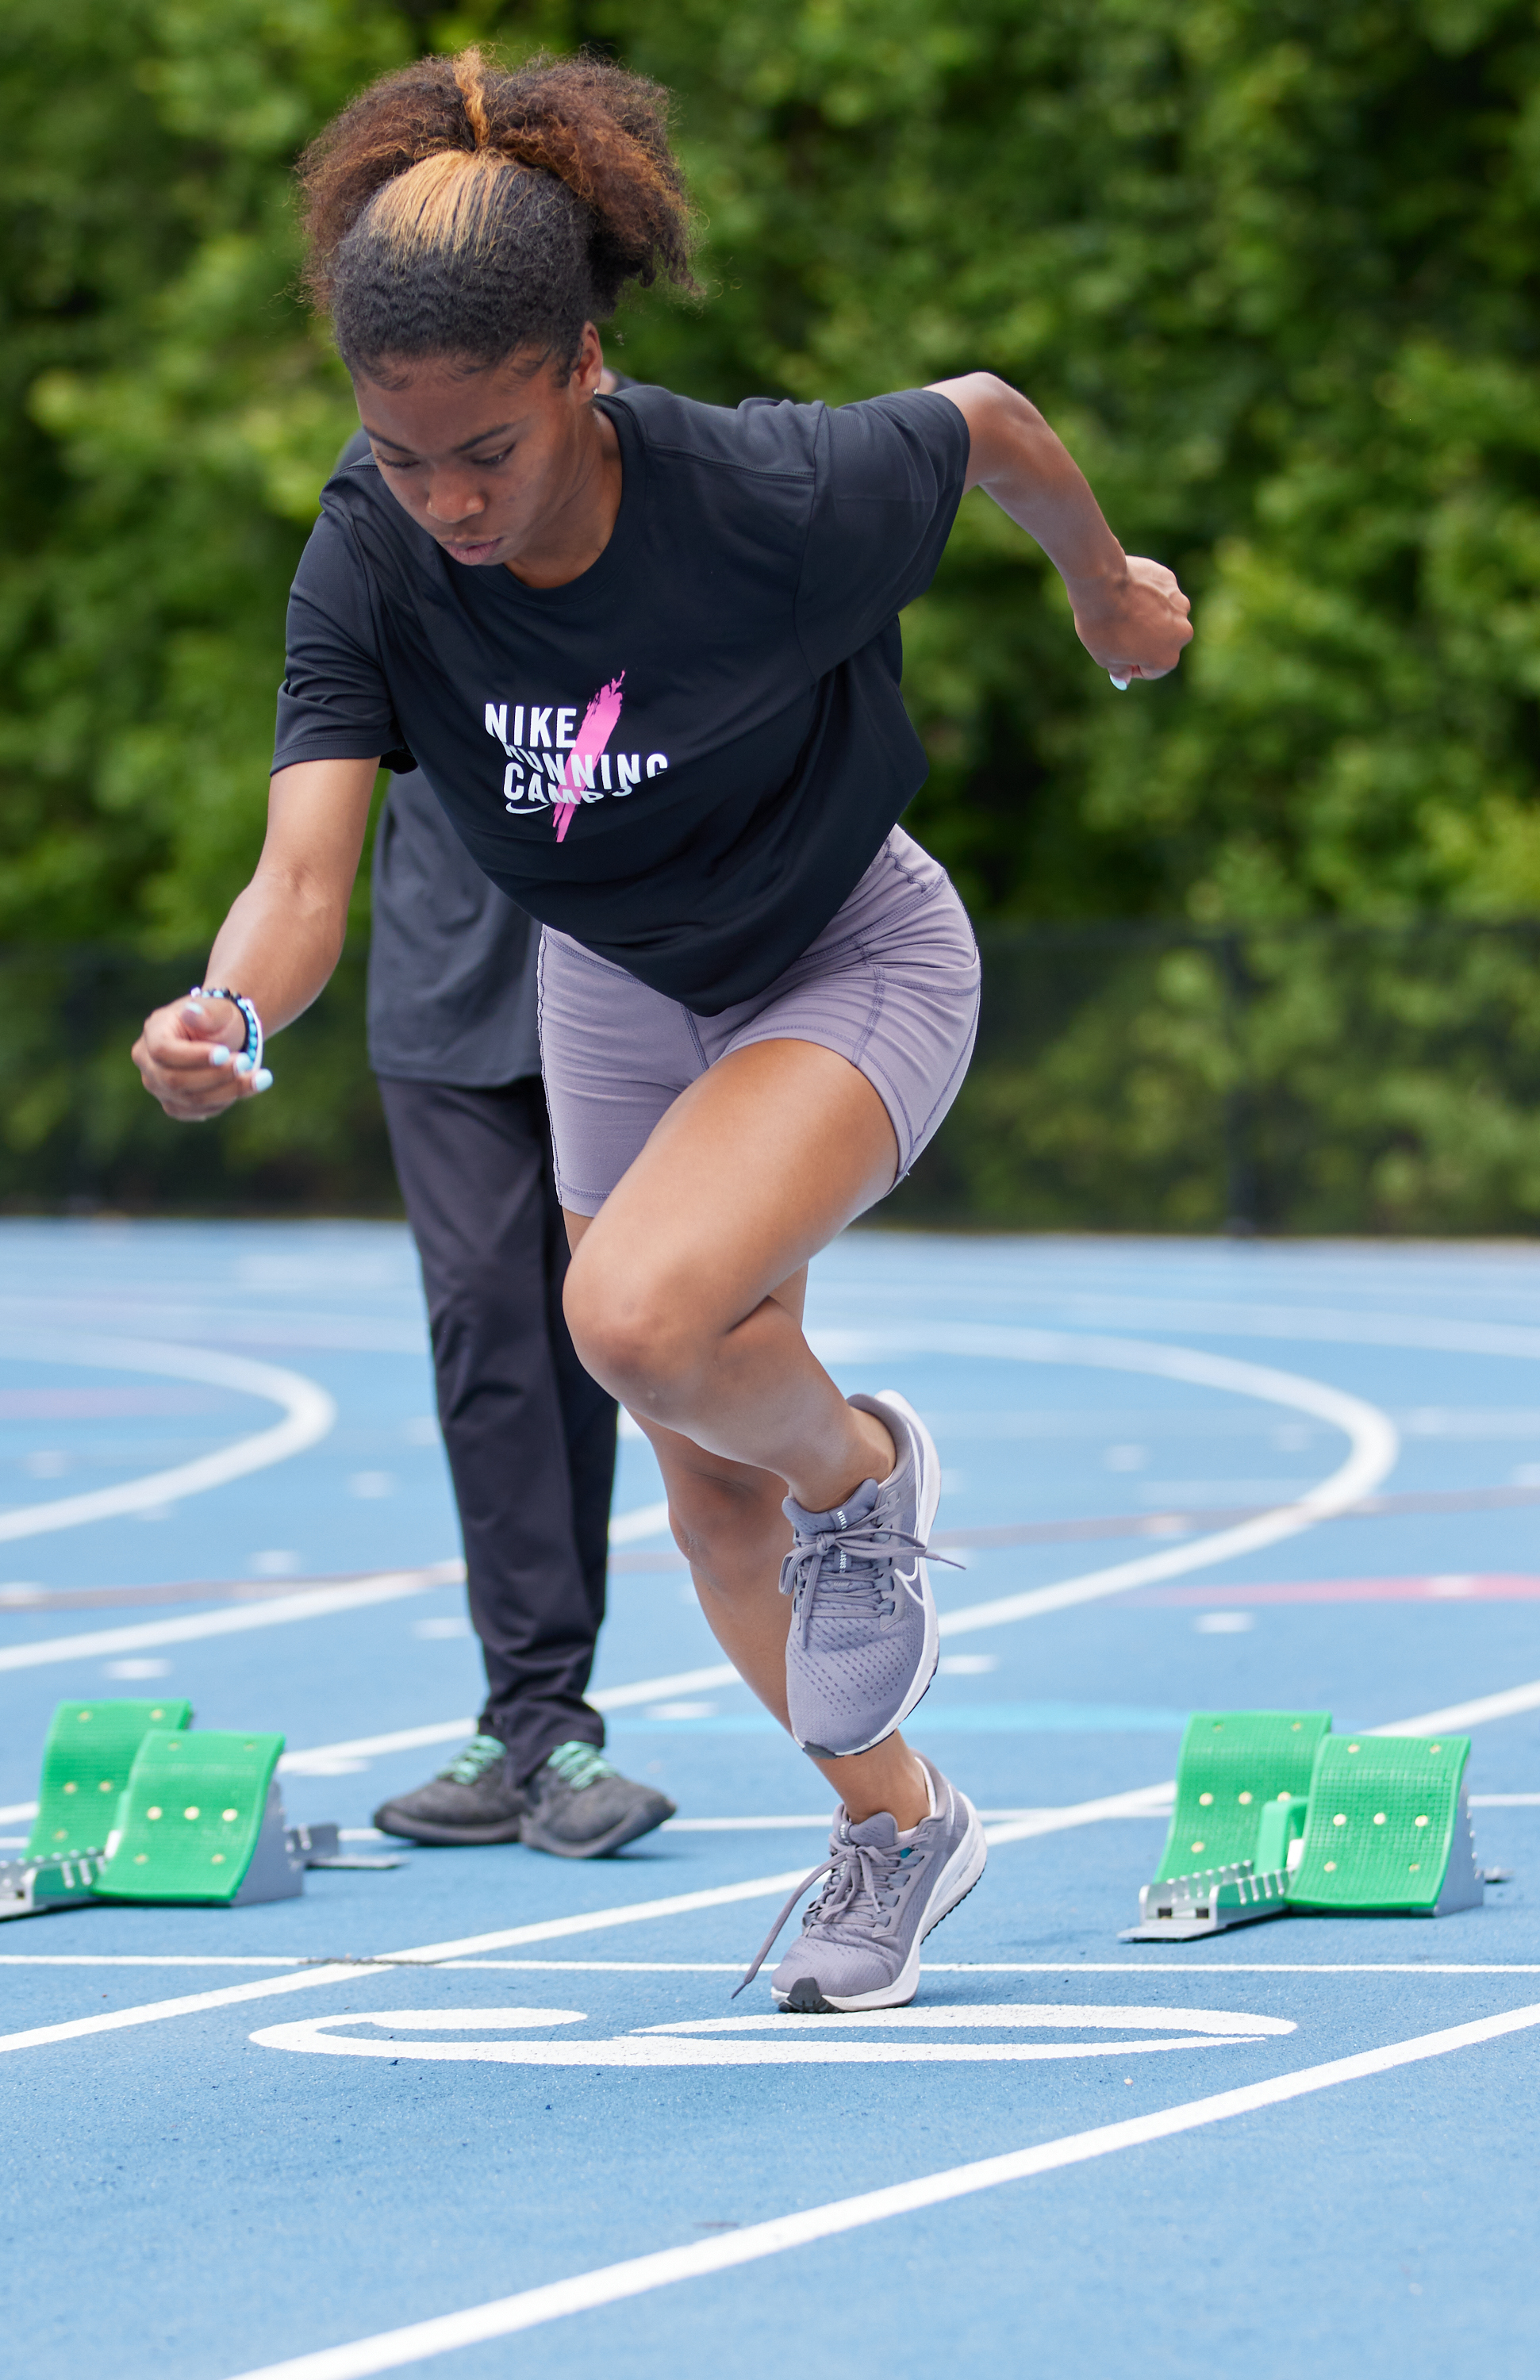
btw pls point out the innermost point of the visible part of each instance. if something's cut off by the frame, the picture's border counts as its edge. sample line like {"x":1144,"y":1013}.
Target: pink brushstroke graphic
{"x":599,"y":724}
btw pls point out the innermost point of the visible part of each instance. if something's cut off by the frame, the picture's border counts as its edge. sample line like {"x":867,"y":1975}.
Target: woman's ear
{"x":589,"y":374}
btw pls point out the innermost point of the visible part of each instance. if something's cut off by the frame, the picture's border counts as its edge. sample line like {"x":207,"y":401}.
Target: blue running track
{"x":535,"y":2137}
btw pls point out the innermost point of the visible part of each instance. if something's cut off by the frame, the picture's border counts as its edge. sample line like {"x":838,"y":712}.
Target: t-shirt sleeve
{"x":334,"y":703}
{"x":888,"y":484}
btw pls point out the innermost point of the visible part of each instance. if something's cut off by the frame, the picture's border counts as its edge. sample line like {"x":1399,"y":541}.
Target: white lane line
{"x":135,"y":1959}
{"x":309,"y":1413}
{"x":1141,"y":1802}
{"x":313,"y":1603}
{"x":1372,"y":1436}
{"x":647,"y":1521}
{"x":1471,"y":1714}
{"x":323,"y":1758}
{"x":682,"y":1682}
{"x":739,"y":1826}
{"x":1234,"y":1967}
{"x":1157,"y":1965}
{"x":414,"y":2343}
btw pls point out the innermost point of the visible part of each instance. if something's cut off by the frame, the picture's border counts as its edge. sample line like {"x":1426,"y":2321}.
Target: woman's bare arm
{"x":278,"y":945}
{"x":1129,"y":613}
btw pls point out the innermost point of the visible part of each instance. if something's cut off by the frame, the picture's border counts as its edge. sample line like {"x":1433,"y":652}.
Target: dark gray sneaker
{"x":579,"y":1807}
{"x":472,"y":1801}
{"x":883,"y":1892}
{"x":863,"y":1641}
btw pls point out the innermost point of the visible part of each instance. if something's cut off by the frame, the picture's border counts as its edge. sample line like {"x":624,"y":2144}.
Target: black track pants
{"x":530,"y":1437}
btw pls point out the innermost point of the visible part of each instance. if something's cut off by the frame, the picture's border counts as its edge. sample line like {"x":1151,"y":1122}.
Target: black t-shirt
{"x":688,"y":756}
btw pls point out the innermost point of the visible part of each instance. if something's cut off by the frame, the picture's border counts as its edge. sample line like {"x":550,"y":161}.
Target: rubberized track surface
{"x":233,"y":2148}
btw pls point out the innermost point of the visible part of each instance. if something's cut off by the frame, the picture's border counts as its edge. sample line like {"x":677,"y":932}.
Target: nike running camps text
{"x":552,"y":763}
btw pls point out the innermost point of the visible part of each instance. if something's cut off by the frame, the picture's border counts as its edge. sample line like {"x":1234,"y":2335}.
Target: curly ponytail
{"x":453,"y":210}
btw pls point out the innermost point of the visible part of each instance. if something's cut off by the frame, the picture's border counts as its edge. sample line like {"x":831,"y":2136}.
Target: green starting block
{"x":203,"y":1820}
{"x":134,"y":1805}
{"x":1242,"y":1781}
{"x":86,"y":1762}
{"x":1389,"y":1828}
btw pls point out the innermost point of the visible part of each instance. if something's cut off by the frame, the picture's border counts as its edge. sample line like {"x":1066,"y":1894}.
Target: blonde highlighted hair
{"x":455,"y":209}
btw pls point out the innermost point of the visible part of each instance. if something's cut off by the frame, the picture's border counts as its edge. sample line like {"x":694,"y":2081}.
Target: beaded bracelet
{"x":251,"y":1047}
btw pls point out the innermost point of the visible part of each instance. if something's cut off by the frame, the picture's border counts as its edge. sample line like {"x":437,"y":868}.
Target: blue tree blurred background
{"x":1258,"y":937}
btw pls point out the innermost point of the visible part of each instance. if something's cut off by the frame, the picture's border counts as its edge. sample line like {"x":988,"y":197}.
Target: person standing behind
{"x":529,"y":1437}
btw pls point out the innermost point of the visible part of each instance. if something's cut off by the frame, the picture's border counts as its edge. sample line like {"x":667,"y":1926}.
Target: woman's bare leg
{"x":682,"y":1298}
{"x":671,"y":1294}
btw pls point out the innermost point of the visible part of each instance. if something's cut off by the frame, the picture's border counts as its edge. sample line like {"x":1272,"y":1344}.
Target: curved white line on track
{"x":609,"y":2285}
{"x":810,"y":2043}
{"x":309,"y":1413}
{"x":1373,"y":1443}
{"x":313,"y":1603}
{"x":1372,"y":1437}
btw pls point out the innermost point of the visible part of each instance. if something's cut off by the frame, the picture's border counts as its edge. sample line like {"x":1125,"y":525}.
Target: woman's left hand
{"x":1134,"y":625}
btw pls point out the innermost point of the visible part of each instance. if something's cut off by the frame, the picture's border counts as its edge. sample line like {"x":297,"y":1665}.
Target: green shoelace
{"x":578,"y":1764}
{"x":483,"y":1752}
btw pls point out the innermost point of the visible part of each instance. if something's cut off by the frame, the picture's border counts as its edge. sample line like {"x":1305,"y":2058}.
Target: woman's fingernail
{"x":219,"y":1055}
{"x":242,"y":1063}
{"x":263,"y":1079}
{"x":1120,"y":683}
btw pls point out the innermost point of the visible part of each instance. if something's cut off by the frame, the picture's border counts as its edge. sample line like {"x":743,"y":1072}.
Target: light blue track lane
{"x":185,"y":2201}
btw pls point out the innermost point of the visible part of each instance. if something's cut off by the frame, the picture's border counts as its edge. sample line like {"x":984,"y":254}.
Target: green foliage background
{"x":1269,"y":268}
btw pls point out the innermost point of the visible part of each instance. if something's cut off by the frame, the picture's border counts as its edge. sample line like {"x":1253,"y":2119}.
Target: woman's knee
{"x":635,"y":1332}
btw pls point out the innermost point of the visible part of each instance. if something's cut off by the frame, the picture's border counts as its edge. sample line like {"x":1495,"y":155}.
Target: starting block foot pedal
{"x":1389,"y":1828}
{"x":203,"y":1820}
{"x":86,"y":1763}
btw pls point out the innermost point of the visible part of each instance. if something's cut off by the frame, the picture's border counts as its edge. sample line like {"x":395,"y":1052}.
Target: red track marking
{"x":1491,"y":1586}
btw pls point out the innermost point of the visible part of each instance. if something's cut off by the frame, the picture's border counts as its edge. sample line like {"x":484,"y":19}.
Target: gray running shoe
{"x":863,"y":1641}
{"x":579,"y":1807}
{"x":472,"y":1801}
{"x":860,"y":1944}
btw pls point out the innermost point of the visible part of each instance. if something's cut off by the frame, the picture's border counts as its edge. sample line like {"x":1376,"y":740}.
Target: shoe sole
{"x":925,"y":1671}
{"x":534,"y":1837}
{"x":422,"y":1830}
{"x":961,"y":1873}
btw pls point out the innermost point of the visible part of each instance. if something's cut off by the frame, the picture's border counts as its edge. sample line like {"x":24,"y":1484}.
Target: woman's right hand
{"x":188,"y":1056}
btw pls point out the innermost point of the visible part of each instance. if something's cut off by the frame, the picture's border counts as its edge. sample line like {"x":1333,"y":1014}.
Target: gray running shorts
{"x":892,"y":983}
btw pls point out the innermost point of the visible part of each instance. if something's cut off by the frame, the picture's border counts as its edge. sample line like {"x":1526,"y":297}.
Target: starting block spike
{"x":203,"y":1820}
{"x":1389,"y":1829}
{"x":85,"y":1764}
